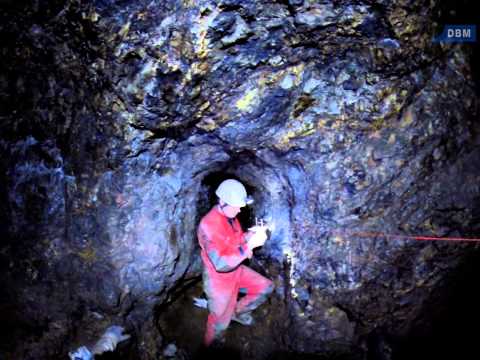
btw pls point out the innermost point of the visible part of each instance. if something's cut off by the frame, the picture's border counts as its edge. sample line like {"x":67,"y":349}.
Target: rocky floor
{"x":183,"y":324}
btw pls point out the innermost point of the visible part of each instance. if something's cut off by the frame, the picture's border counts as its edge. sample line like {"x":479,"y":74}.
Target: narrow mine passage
{"x":184,"y":324}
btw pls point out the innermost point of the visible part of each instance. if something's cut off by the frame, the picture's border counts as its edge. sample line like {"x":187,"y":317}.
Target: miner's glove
{"x":258,"y":228}
{"x":257,"y":237}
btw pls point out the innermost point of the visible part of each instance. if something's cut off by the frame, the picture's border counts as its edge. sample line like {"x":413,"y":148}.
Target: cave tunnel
{"x":353,"y":125}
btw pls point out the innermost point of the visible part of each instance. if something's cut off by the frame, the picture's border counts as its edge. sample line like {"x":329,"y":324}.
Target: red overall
{"x":223,"y":249}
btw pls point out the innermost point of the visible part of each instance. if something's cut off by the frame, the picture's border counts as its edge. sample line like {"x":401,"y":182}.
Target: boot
{"x":244,"y":318}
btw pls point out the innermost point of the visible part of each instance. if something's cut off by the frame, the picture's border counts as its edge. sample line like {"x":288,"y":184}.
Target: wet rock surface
{"x":119,"y":119}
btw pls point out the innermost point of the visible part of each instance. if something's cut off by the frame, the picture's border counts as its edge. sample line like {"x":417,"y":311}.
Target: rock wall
{"x":119,"y":118}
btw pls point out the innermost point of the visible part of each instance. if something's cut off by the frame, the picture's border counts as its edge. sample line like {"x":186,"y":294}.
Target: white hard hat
{"x":233,"y":193}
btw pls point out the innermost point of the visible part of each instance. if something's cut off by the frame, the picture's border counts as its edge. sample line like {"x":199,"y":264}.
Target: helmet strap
{"x":224,"y":205}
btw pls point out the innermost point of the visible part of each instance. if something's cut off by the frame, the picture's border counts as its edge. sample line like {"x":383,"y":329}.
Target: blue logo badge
{"x":457,"y":34}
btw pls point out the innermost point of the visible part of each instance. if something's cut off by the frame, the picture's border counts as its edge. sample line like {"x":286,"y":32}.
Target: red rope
{"x":420,"y":238}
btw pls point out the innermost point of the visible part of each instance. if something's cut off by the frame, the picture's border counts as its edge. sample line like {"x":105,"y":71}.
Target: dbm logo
{"x":457,"y":33}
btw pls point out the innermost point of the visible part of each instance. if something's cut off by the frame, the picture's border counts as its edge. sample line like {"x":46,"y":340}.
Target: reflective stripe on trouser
{"x":222,"y":299}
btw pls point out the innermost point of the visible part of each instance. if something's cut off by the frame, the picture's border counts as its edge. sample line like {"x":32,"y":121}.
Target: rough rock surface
{"x":119,"y":118}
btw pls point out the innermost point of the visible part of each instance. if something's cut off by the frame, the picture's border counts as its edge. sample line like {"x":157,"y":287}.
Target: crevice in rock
{"x":290,"y":5}
{"x":182,"y":286}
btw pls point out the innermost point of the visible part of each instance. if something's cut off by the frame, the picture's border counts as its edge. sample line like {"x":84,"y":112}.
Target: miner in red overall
{"x":224,"y":246}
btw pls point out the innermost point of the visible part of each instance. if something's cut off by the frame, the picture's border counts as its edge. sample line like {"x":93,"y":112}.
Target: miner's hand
{"x":257,"y":237}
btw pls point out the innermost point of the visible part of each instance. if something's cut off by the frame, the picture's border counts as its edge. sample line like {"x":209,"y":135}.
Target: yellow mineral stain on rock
{"x":202,"y":49}
{"x":408,"y":118}
{"x":189,"y":3}
{"x":299,"y":131}
{"x":204,"y":106}
{"x":321,"y":123}
{"x":307,"y":132}
{"x":338,"y":240}
{"x":377,"y":124}
{"x":333,"y":311}
{"x":200,"y":67}
{"x":391,"y":98}
{"x":303,"y":103}
{"x":270,"y":78}
{"x":124,"y":30}
{"x":88,"y":254}
{"x":141,"y":15}
{"x":197,"y":68}
{"x":297,"y":71}
{"x":200,"y":29}
{"x":207,"y":124}
{"x":247,"y":100}
{"x":265,"y":80}
{"x":375,"y":135}
{"x":94,"y":16}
